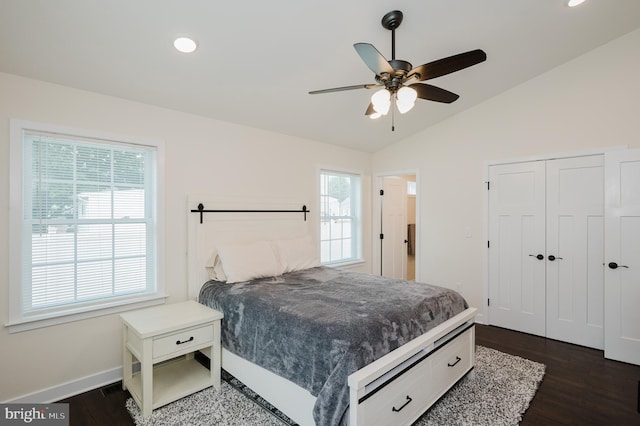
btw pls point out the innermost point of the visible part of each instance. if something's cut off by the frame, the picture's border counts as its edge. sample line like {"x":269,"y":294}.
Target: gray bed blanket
{"x":317,"y":326}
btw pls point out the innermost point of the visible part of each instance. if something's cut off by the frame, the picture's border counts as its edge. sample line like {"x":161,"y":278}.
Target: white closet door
{"x":622,"y":256}
{"x":517,"y":244}
{"x":575,"y":250}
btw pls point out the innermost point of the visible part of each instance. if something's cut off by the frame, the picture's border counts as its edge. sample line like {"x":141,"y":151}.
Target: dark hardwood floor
{"x":580,"y":387}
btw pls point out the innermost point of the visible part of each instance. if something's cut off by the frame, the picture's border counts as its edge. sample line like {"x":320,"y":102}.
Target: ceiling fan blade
{"x":448,"y":65}
{"x":341,"y":89}
{"x":374,"y":59}
{"x":433,"y":93}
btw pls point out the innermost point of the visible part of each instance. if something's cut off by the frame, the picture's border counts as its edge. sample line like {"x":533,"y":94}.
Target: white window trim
{"x":359,"y":259}
{"x":19,"y":322}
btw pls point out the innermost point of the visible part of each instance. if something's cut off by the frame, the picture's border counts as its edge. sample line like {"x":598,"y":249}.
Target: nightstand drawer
{"x":182,"y":341}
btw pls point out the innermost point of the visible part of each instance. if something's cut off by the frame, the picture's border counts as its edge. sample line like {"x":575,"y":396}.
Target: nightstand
{"x":163,"y":339}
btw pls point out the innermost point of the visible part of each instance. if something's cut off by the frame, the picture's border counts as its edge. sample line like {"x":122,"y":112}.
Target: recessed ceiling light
{"x":574,"y":3}
{"x":185,"y":44}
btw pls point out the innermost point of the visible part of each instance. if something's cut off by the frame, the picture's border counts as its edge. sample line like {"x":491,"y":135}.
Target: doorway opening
{"x":397,"y":217}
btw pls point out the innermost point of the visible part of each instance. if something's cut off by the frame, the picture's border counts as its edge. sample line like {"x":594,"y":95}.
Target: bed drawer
{"x":409,"y":395}
{"x":452,"y":362}
{"x":180,"y":341}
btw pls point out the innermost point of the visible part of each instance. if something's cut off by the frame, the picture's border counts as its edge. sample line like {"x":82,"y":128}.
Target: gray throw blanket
{"x":317,"y":326}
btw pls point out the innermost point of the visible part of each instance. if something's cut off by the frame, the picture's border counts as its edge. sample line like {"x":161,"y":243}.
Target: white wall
{"x":591,"y":102}
{"x":202,"y":156}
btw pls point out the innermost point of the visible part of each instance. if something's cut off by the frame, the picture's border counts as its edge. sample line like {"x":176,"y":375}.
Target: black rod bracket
{"x":201,"y":210}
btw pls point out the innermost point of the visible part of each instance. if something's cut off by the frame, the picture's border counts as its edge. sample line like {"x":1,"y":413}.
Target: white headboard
{"x":237,"y":227}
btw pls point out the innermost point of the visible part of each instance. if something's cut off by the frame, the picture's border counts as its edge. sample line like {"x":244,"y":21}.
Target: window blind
{"x":89,"y":220}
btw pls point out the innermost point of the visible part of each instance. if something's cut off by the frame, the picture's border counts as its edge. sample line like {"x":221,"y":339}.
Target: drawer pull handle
{"x":458,"y":359}
{"x":190,"y":339}
{"x":397,"y":410}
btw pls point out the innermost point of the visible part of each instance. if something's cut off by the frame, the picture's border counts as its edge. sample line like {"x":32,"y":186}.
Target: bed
{"x":325,"y":346}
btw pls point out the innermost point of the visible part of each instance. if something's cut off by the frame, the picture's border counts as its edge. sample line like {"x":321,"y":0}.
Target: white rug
{"x":499,"y":394}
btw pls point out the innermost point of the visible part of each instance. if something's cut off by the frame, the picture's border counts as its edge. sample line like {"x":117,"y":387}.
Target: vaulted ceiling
{"x":257,"y":60}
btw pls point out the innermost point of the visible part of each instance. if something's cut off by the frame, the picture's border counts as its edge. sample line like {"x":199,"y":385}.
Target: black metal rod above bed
{"x":201,"y":210}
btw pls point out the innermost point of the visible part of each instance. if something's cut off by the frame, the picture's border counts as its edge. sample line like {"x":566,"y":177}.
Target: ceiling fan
{"x":398,"y":80}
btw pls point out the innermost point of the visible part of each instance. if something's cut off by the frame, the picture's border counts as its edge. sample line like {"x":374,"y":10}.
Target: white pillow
{"x":214,"y":267}
{"x":243,"y":262}
{"x":297,"y":254}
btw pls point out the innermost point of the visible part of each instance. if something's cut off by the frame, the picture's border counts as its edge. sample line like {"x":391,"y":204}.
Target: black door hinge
{"x":488,"y":185}
{"x":488,"y":244}
{"x":488,"y":302}
{"x":382,"y":236}
{"x":382,"y":192}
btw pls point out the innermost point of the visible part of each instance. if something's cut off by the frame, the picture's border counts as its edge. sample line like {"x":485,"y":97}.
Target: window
{"x":84,"y":214}
{"x":340,"y":213}
{"x":411,"y":187}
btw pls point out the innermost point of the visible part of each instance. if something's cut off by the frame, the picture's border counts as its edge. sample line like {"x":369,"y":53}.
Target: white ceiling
{"x":258,"y":60}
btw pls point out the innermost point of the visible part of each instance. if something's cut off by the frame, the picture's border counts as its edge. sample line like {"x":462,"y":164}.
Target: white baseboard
{"x":72,"y":388}
{"x":68,"y":389}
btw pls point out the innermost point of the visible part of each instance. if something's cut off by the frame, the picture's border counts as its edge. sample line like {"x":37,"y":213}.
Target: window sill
{"x":78,"y":314}
{"x":347,"y":264}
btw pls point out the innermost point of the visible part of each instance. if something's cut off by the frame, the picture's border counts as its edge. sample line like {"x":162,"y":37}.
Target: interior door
{"x":622,"y":256}
{"x":394,"y":227}
{"x":575,"y":250}
{"x":517,"y":246}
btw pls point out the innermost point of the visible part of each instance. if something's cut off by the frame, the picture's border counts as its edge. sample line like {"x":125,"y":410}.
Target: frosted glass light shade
{"x":381,"y":101}
{"x":406,"y":99}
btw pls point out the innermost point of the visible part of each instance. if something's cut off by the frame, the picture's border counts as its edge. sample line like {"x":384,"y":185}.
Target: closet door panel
{"x":575,"y":240}
{"x":630,"y":279}
{"x":516,"y":233}
{"x":622,"y":256}
{"x":595,"y":276}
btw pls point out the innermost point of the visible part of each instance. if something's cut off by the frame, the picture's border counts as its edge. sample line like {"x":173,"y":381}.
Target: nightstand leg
{"x":127,"y":360}
{"x":216,"y":362}
{"x":146,"y":372}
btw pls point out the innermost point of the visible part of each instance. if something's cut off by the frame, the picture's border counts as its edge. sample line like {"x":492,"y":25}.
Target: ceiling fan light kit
{"x":404,"y":98}
{"x":398,"y":81}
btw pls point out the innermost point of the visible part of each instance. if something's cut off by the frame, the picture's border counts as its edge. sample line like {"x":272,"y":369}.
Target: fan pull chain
{"x":393,"y":112}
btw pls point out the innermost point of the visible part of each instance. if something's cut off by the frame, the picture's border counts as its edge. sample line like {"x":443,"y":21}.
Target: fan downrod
{"x":392,"y":20}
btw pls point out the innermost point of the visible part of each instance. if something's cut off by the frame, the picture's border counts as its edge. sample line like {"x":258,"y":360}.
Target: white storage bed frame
{"x":396,"y":389}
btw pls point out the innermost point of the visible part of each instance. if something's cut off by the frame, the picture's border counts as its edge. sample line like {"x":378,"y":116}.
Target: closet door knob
{"x":614,"y":265}
{"x":539,"y":256}
{"x":552,"y":257}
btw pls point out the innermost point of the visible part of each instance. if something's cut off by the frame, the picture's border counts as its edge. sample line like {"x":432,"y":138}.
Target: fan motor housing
{"x":400,"y":65}
{"x":401,"y":69}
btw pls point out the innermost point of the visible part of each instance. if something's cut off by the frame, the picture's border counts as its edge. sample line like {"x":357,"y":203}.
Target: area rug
{"x":498,"y":394}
